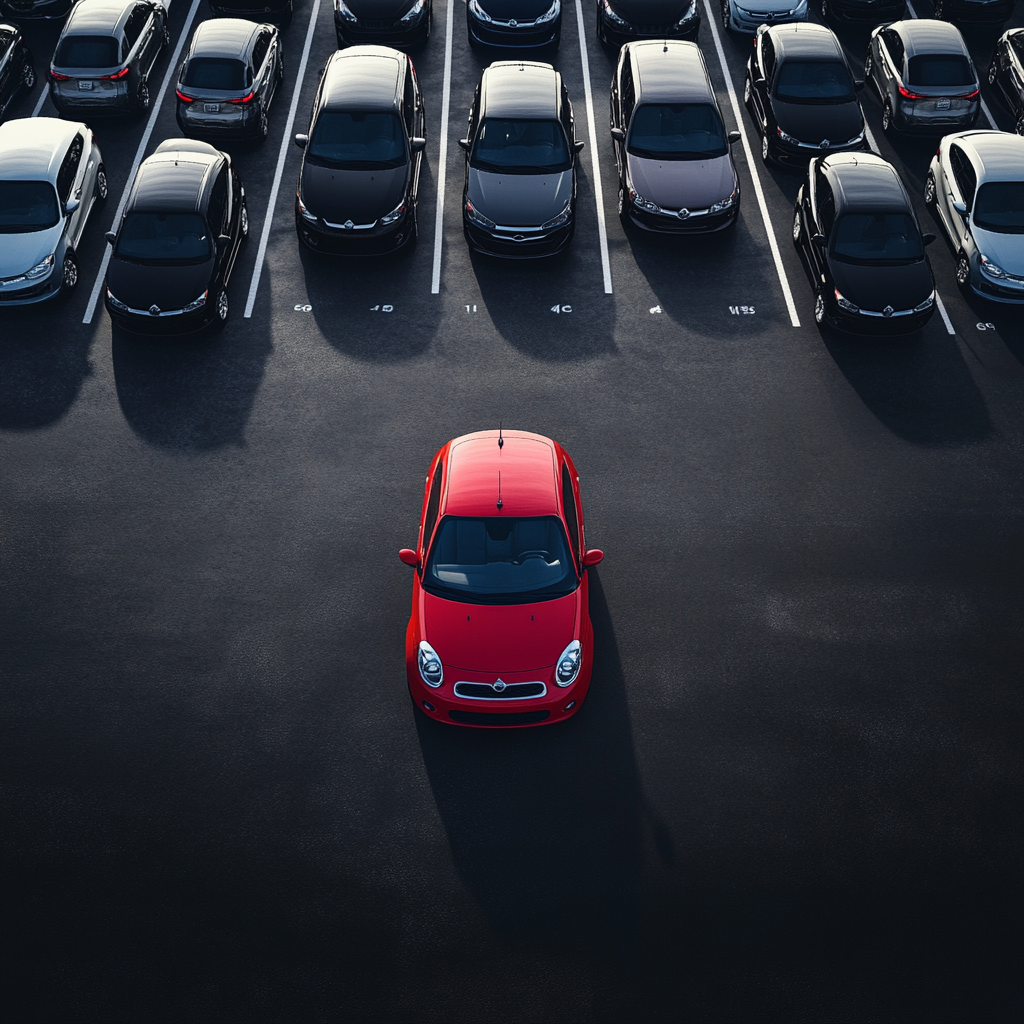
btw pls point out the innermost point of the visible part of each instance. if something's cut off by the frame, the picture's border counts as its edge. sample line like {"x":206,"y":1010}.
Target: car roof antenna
{"x":501,"y":440}
{"x":499,"y":491}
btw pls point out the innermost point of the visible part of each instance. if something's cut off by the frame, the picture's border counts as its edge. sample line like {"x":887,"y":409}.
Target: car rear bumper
{"x":72,"y":101}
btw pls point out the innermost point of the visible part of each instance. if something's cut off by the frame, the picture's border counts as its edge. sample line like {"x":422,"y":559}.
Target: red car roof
{"x":528,"y":467}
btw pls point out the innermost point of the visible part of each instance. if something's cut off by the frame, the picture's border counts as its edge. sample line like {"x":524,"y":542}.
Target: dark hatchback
{"x":278,"y":11}
{"x":359,"y":180}
{"x":402,"y":24}
{"x":801,"y":94}
{"x":856,"y":227}
{"x":179,"y":237}
{"x":1006,"y":73}
{"x":620,"y":21}
{"x":864,"y":12}
{"x":519,"y":199}
{"x":17,"y":72}
{"x":514,"y":24}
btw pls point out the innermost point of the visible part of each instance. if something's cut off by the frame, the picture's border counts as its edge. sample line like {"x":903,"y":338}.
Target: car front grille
{"x":509,"y":691}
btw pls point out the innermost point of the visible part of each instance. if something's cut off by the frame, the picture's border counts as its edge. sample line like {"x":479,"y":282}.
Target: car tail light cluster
{"x":181,"y":96}
{"x":115,"y":75}
{"x":907,"y":94}
{"x":244,"y":99}
{"x":59,"y":78}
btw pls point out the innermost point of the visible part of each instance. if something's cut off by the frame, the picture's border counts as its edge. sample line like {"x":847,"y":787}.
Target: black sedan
{"x":17,"y":72}
{"x":278,"y":11}
{"x":802,"y":97}
{"x":403,"y":24}
{"x":1006,"y":73}
{"x":514,"y":24}
{"x":619,"y":21}
{"x":229,"y":79}
{"x":856,"y":227}
{"x":359,"y":181}
{"x":178,"y":240}
{"x":519,"y":200}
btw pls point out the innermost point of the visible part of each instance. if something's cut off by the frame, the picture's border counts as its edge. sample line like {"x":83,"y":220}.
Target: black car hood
{"x":358,"y":196}
{"x":519,"y":200}
{"x":651,"y":12}
{"x":521,"y":10}
{"x":874,"y":288}
{"x":814,"y":122}
{"x":142,"y":285}
{"x":379,"y":9}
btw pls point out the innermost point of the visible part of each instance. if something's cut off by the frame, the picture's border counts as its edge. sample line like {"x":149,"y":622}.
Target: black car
{"x":25,"y":9}
{"x":1006,"y":73}
{"x":514,"y":24}
{"x":183,"y":224}
{"x":17,"y":72}
{"x":856,"y":227}
{"x":519,"y":200}
{"x":229,"y":79}
{"x":402,"y":24}
{"x":620,"y":21}
{"x":985,"y":12}
{"x":359,"y":180}
{"x":105,"y":55}
{"x":801,"y":94}
{"x":278,"y":11}
{"x":864,"y":12}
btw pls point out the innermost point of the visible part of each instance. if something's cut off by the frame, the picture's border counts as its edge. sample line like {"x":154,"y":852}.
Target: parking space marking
{"x":943,"y":313}
{"x":172,"y":69}
{"x":758,"y":191}
{"x":268,"y":220}
{"x":869,"y":135}
{"x":442,"y":160}
{"x":595,"y":161}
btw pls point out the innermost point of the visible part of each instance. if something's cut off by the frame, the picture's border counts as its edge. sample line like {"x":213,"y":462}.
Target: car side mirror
{"x":858,"y":85}
{"x":111,"y":237}
{"x":733,"y":137}
{"x":578,"y":145}
{"x":418,"y":144}
{"x":464,"y":144}
{"x":928,"y":237}
{"x":818,"y":239}
{"x":72,"y":204}
{"x":410,"y":557}
{"x":301,"y":140}
{"x":592,"y":557}
{"x":618,"y":135}
{"x":960,"y":208}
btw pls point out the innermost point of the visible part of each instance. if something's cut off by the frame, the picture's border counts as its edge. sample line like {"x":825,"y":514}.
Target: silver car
{"x":976,"y":186}
{"x":747,"y":15}
{"x":924,"y":76}
{"x":51,"y":176}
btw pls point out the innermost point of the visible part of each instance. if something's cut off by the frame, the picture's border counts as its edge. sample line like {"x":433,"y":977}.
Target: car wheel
{"x":929,"y":191}
{"x":747,"y":90}
{"x":143,"y":100}
{"x":825,"y":12}
{"x":819,"y":308}
{"x":102,"y":186}
{"x":280,"y":68}
{"x":963,"y":271}
{"x":887,"y":117}
{"x":869,"y":65}
{"x":725,"y":16}
{"x":766,"y":153}
{"x":937,"y":8}
{"x":622,"y":203}
{"x":221,"y":309}
{"x":264,"y":126}
{"x":993,"y":72}
{"x":28,"y":75}
{"x":243,"y":221}
{"x":167,"y":36}
{"x":1020,"y":125}
{"x":69,"y":273}
{"x":798,"y":227}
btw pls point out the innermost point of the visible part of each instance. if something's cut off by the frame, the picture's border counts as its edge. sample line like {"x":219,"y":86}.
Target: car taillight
{"x":907,"y":94}
{"x":59,"y":78}
{"x":116,"y":74}
{"x":969,"y":95}
{"x":244,"y":99}
{"x":181,"y":96}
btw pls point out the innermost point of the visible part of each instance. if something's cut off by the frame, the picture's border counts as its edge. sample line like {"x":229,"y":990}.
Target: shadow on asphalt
{"x":545,"y":824}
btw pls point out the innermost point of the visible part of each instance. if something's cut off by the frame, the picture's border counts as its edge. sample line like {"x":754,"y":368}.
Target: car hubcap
{"x":929,"y":190}
{"x":70,"y":272}
{"x":963,"y":271}
{"x":28,"y":76}
{"x":886,"y":118}
{"x":245,"y":221}
{"x":222,"y":305}
{"x":867,"y":67}
{"x":1020,"y":125}
{"x":746,"y":90}
{"x":992,"y":74}
{"x":264,"y":127}
{"x":144,"y":96}
{"x":101,"y":184}
{"x":764,"y":147}
{"x":824,"y":8}
{"x":819,"y":309}
{"x":796,"y":226}
{"x":622,"y":202}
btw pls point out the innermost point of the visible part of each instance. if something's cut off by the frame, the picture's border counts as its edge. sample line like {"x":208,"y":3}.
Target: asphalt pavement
{"x":794,"y":792}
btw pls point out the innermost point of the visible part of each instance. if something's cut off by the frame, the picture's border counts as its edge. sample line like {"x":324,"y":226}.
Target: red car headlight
{"x":568,"y":667}
{"x":431,"y":669}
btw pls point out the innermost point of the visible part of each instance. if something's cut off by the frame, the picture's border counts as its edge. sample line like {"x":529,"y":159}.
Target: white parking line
{"x":286,"y":140}
{"x":595,"y":161}
{"x":943,"y":313}
{"x":172,"y":69}
{"x":758,"y":191}
{"x":869,"y":135}
{"x":442,"y":161}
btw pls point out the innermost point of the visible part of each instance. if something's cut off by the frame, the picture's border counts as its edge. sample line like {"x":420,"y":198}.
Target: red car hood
{"x":500,"y":638}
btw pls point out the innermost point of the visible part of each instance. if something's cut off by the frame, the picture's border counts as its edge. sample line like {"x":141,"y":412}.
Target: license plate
{"x":214,"y":108}
{"x":85,"y":85}
{"x":942,"y":104}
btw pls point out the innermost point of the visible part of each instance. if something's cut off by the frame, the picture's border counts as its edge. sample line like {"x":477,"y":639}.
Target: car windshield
{"x":27,"y":206}
{"x":501,"y":560}
{"x":509,"y":146}
{"x":941,"y":69}
{"x":814,"y":81}
{"x":217,"y":73}
{"x":877,"y":238}
{"x":999,"y":206}
{"x":677,"y":131}
{"x":357,"y":141}
{"x":164,"y":238}
{"x":86,"y":52}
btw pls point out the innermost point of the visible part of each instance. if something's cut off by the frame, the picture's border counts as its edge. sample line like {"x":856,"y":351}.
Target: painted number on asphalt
{"x":303,"y":307}
{"x":985,"y":327}
{"x":471,"y":309}
{"x":741,"y":310}
{"x":561,"y":309}
{"x":657,"y":309}
{"x":382,"y":309}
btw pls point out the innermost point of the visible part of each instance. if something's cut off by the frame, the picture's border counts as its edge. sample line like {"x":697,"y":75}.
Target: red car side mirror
{"x":593,"y":557}
{"x":409,"y":556}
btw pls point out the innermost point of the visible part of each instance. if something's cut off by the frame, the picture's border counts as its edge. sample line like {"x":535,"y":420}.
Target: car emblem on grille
{"x":348,"y":225}
{"x":518,"y":238}
{"x":683,"y":214}
{"x":499,"y":685}
{"x":825,"y":143}
{"x":888,"y":311}
{"x":513,"y":23}
{"x":155,"y":310}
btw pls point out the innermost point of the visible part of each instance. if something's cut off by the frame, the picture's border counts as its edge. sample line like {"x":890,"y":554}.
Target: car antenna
{"x":501,"y":440}
{"x":499,"y":490}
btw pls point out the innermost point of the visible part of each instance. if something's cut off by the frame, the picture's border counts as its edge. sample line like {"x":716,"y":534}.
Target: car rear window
{"x":354,"y":140}
{"x":164,"y":238}
{"x":520,"y":147}
{"x":87,"y":52}
{"x":818,"y":81}
{"x":216,"y":73}
{"x":940,"y":69}
{"x":999,"y":206}
{"x":677,"y":131}
{"x":27,"y":206}
{"x":877,"y":238}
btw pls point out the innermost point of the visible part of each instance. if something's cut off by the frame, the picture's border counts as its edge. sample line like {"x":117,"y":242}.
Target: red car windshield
{"x":500,"y":560}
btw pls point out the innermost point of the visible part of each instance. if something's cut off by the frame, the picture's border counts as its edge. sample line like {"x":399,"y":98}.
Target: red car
{"x":500,"y":630}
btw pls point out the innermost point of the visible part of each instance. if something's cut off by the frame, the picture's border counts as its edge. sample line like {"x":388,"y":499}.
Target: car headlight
{"x":302,"y":209}
{"x":687,"y":16}
{"x":41,"y":269}
{"x":644,"y":204}
{"x":568,"y":667}
{"x":611,"y":15}
{"x":478,"y":12}
{"x":845,"y":304}
{"x":724,"y":204}
{"x":478,"y":218}
{"x":342,"y":10}
{"x":431,"y":670}
{"x":550,"y":14}
{"x":988,"y":268}
{"x":786,"y":137}
{"x":927,"y":304}
{"x":413,"y":13}
{"x":398,"y":211}
{"x":559,"y":221}
{"x":116,"y":302}
{"x":196,"y":303}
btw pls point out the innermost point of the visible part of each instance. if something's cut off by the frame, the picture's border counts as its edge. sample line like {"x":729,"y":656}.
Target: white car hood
{"x":21,"y":252}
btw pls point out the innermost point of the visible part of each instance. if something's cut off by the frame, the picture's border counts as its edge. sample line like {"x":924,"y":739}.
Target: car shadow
{"x":545,"y":824}
{"x":191,"y":393}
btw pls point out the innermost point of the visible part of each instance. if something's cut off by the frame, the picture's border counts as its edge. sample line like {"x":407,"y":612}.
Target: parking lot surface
{"x":794,"y":792}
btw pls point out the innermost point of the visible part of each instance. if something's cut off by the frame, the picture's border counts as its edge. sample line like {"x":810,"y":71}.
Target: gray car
{"x":105,"y":55}
{"x":51,"y":177}
{"x":976,"y":186}
{"x":924,"y":76}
